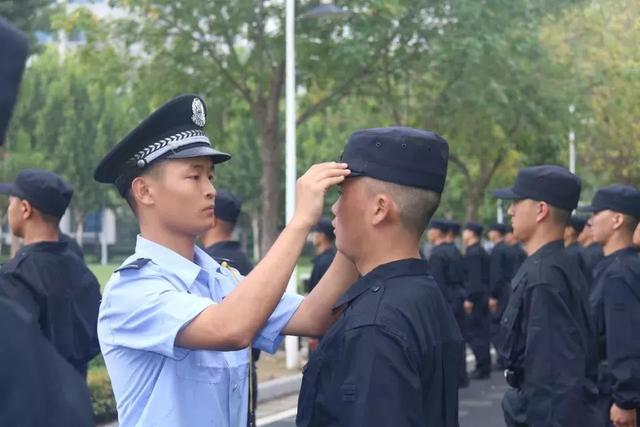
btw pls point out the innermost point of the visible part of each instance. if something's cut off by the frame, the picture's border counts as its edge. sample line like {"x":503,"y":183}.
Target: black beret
{"x":619,"y":198}
{"x":475,"y":227}
{"x":402,"y":155}
{"x":227,"y":206}
{"x":173,"y":131}
{"x":46,"y":191}
{"x":552,"y":184}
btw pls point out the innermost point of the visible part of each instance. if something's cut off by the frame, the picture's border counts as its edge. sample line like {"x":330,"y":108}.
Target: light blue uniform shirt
{"x":155,"y":382}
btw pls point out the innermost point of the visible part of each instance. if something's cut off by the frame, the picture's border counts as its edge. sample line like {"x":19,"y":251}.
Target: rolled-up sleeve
{"x":147,"y":313}
{"x":270,"y":337}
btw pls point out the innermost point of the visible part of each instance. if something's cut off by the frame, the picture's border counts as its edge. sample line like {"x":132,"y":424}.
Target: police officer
{"x":175,"y":326}
{"x":476,"y":304}
{"x":218,"y":243}
{"x":546,"y":334}
{"x":324,"y":244}
{"x":43,"y":389}
{"x":391,"y":358}
{"x":46,"y":276}
{"x":500,"y":275}
{"x":448,"y":270}
{"x":615,"y":301}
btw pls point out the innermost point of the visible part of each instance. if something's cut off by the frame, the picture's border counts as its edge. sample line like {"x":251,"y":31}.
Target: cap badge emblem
{"x":198,"y":112}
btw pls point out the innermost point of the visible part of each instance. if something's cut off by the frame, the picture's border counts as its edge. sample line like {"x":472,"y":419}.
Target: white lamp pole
{"x":572,"y":142}
{"x":291,"y":343}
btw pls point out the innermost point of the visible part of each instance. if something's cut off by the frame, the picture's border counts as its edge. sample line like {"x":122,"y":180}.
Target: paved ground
{"x":479,"y":406}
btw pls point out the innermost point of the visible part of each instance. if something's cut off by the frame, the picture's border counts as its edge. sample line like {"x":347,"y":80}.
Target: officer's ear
{"x":141,"y":191}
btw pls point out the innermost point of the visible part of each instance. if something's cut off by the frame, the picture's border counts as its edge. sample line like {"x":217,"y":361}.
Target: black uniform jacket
{"x":392,"y":357}
{"x":321,"y":264}
{"x":59,"y":291}
{"x":616,"y":308}
{"x":477,"y":267}
{"x":547,"y":337}
{"x":39,"y":388}
{"x":446,"y":265}
{"x":231,"y":252}
{"x":500,"y":270}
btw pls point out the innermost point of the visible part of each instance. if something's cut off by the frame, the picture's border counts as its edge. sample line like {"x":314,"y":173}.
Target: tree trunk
{"x":255,"y":229}
{"x":474,"y":198}
{"x":270,"y":151}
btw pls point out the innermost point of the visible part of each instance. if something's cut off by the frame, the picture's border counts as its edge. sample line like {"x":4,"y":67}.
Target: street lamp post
{"x":291,"y":342}
{"x":572,"y":142}
{"x":320,"y":11}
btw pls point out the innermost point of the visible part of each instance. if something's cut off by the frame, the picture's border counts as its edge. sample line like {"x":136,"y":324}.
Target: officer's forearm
{"x":235,"y":321}
{"x":316,"y":314}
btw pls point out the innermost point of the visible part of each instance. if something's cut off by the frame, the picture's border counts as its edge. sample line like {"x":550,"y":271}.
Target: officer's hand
{"x":623,"y":417}
{"x":468,"y":307}
{"x":311,"y":188}
{"x":493,"y":305}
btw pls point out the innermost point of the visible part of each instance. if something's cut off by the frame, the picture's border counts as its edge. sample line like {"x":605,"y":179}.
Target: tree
{"x":489,"y":87}
{"x":598,"y":44}
{"x":70,"y":111}
{"x":236,"y":50}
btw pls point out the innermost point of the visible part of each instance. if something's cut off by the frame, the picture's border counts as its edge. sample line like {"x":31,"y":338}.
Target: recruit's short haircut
{"x":416,"y":206}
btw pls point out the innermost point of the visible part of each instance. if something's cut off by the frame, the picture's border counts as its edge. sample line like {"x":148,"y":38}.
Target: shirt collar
{"x":377,"y":276}
{"x":629,"y":250}
{"x":186,"y":270}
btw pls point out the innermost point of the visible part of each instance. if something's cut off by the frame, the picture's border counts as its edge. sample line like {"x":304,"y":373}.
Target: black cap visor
{"x":507,"y":194}
{"x":200,"y":151}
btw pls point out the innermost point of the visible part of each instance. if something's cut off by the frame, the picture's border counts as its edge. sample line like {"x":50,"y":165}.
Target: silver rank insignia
{"x":198,"y":112}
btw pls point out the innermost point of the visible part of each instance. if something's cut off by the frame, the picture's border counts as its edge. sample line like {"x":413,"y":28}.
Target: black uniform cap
{"x":454,"y":227}
{"x":619,"y":198}
{"x":46,"y":191}
{"x":577,"y":222}
{"x":227,"y":206}
{"x":500,"y":228}
{"x":552,"y":184}
{"x":324,"y":226}
{"x":475,"y":227}
{"x":402,"y":155}
{"x":173,"y":131}
{"x":440,"y":224}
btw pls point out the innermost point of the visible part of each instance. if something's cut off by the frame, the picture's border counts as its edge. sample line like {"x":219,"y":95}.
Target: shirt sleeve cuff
{"x":270,"y":337}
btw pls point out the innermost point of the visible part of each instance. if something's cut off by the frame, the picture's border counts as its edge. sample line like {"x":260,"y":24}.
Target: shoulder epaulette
{"x":135,"y":265}
{"x":235,"y":273}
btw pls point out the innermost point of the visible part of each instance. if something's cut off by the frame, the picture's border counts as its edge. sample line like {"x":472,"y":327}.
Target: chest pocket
{"x":510,"y":334}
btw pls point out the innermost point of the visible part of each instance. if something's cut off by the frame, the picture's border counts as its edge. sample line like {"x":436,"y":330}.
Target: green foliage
{"x":598,"y":44}
{"x":102,"y":399}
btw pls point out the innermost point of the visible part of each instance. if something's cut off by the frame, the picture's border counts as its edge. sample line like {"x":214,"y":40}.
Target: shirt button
{"x":235,"y":387}
{"x":375,"y":289}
